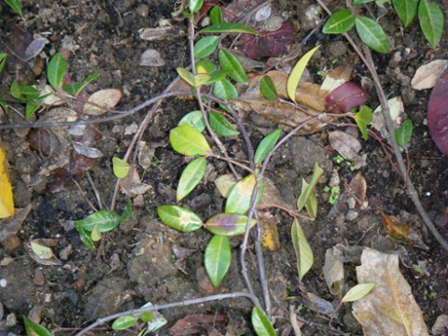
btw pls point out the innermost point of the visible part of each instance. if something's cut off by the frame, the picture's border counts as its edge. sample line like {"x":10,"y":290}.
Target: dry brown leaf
{"x":348,"y":146}
{"x":107,"y":98}
{"x":337,"y":77}
{"x":389,"y":309}
{"x":269,"y":231}
{"x":357,"y":190}
{"x":427,"y":75}
{"x":316,"y":304}
{"x":334,"y":270}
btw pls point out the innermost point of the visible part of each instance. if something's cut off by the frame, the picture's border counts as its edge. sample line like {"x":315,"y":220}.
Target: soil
{"x":137,"y":262}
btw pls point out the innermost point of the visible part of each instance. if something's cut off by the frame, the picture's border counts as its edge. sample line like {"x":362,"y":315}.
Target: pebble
{"x":39,"y":277}
{"x":338,"y":48}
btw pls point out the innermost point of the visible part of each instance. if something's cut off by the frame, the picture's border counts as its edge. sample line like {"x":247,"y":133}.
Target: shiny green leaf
{"x":358,"y":292}
{"x":225,"y":90}
{"x":195,"y":5}
{"x":33,"y":328}
{"x":229,"y":27}
{"x":179,"y":218}
{"x":304,"y":254}
{"x":228,"y":225}
{"x":305,"y":195}
{"x":231,"y":66}
{"x":431,"y":21}
{"x":57,"y":67}
{"x":188,"y":141}
{"x":360,"y":2}
{"x":216,"y":76}
{"x":216,"y":15}
{"x":363,"y":118}
{"x":404,"y":132}
{"x":194,"y":119}
{"x":221,"y":125}
{"x":266,"y":145}
{"x":268,"y":89}
{"x":339,"y":22}
{"x":238,"y":201}
{"x":124,"y":322}
{"x":205,"y":67}
{"x":372,"y":35}
{"x":261,"y":323}
{"x":84,"y":236}
{"x":406,"y":10}
{"x":16,"y":6}
{"x":105,"y":219}
{"x":31,"y":108}
{"x":121,"y":168}
{"x":205,"y":46}
{"x":217,"y":258}
{"x":3,"y":57}
{"x":146,"y":316}
{"x":191,"y":176}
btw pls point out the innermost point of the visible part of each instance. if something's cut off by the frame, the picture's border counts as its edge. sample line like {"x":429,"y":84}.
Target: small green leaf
{"x":205,"y":46}
{"x":194,"y":119}
{"x":311,"y":203}
{"x":229,"y":27}
{"x":190,"y":178}
{"x":195,"y":5}
{"x":121,"y":168}
{"x":358,"y":292}
{"x":186,"y":75}
{"x":205,"y":67}
{"x":4,"y":105}
{"x":221,"y":125}
{"x":188,"y":141}
{"x":406,"y":10}
{"x":360,"y":2}
{"x":266,"y":145}
{"x":231,"y":66}
{"x":146,"y":316}
{"x":372,"y":34}
{"x":261,"y":323}
{"x":124,"y":322}
{"x":305,"y":195}
{"x":3,"y":57}
{"x":31,"y":108}
{"x":33,"y":328}
{"x":240,"y":196}
{"x":296,"y":74}
{"x":403,"y":133}
{"x":216,"y":76}
{"x":85,"y":238}
{"x":339,"y":22}
{"x":96,"y":234}
{"x":225,"y":90}
{"x":106,"y":221}
{"x":302,"y":248}
{"x":363,"y":118}
{"x":127,"y":213}
{"x":179,"y":218}
{"x":201,"y":79}
{"x":228,"y":225}
{"x":72,"y":88}
{"x":431,"y":21}
{"x":217,"y":258}
{"x":268,"y":89}
{"x":216,"y":15}
{"x":44,"y":252}
{"x":23,"y":92}
{"x":57,"y":67}
{"x":15,"y":5}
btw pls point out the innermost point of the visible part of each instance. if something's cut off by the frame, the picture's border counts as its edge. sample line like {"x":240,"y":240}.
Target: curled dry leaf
{"x":334,"y":271}
{"x":316,"y":304}
{"x":11,"y":226}
{"x":85,"y":150}
{"x":357,"y":190}
{"x":348,"y":146}
{"x":41,"y":253}
{"x":391,"y":298}
{"x":160,"y":34}
{"x":426,"y":76}
{"x":107,"y":98}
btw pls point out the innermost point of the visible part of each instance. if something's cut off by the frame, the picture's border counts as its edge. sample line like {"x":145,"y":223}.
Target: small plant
{"x":15,"y":6}
{"x":334,"y":194}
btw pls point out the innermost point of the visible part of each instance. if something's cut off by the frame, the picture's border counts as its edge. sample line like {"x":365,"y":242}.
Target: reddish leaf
{"x":346,"y":97}
{"x":438,"y":113}
{"x":193,"y":324}
{"x":268,"y":43}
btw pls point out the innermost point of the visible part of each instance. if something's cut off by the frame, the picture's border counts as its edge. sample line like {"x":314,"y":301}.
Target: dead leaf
{"x":193,"y":324}
{"x":357,"y":190}
{"x":6,"y":198}
{"x":337,"y":77}
{"x":334,"y":271}
{"x":11,"y":226}
{"x":348,"y":146}
{"x":269,"y":231}
{"x":162,"y":33}
{"x":151,"y":57}
{"x":145,"y":154}
{"x":316,"y":304}
{"x":41,"y":253}
{"x":427,"y":75}
{"x":107,"y":98}
{"x":390,"y":308}
{"x":132,"y":185}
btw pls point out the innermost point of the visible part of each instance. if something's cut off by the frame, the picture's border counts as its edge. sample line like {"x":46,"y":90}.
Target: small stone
{"x":151,"y":57}
{"x":143,"y":10}
{"x":352,"y":215}
{"x":338,"y":48}
{"x":440,"y":327}
{"x":39,"y":277}
{"x":65,"y":253}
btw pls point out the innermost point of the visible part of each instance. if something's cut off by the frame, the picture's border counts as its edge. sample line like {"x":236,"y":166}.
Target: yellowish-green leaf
{"x":96,"y":233}
{"x":305,"y":195}
{"x":358,"y":292}
{"x":120,"y":167}
{"x":6,"y":198}
{"x":304,"y":254}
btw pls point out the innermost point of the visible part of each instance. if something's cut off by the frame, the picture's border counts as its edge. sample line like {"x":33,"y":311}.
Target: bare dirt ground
{"x":137,"y":262}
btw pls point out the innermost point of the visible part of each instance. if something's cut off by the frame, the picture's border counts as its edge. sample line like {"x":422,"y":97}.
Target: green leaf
{"x":216,"y":76}
{"x":339,"y":22}
{"x":179,"y":218}
{"x":201,"y":79}
{"x":261,"y":323}
{"x":75,"y":88}
{"x":216,"y":15}
{"x":231,"y":66}
{"x":372,"y":34}
{"x":296,"y":74}
{"x":221,"y":125}
{"x":190,"y":178}
{"x":229,"y":27}
{"x":188,"y":141}
{"x":217,"y":258}
{"x":225,"y":90}
{"x":3,"y":57}
{"x":33,"y":328}
{"x":205,"y":46}
{"x":23,"y":92}
{"x":121,"y":168}
{"x":195,"y":5}
{"x":95,"y":235}
{"x":186,"y":75}
{"x":228,"y":225}
{"x":431,"y":21}
{"x":124,"y":322}
{"x":57,"y":67}
{"x":266,"y":145}
{"x":363,"y":118}
{"x":267,"y":88}
{"x":4,"y":105}
{"x":127,"y":213}
{"x":311,"y":203}
{"x":360,"y":2}
{"x":85,"y":238}
{"x":15,"y":5}
{"x":146,"y":316}
{"x":358,"y":292}
{"x":31,"y":108}
{"x":305,"y":195}
{"x":404,"y":132}
{"x":194,"y":119}
{"x":106,"y":221}
{"x":238,"y":201}
{"x":205,"y":66}
{"x":302,"y":248}
{"x":406,"y":10}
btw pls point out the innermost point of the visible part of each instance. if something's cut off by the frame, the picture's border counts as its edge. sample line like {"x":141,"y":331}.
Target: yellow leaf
{"x":6,"y":201}
{"x":296,"y":74}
